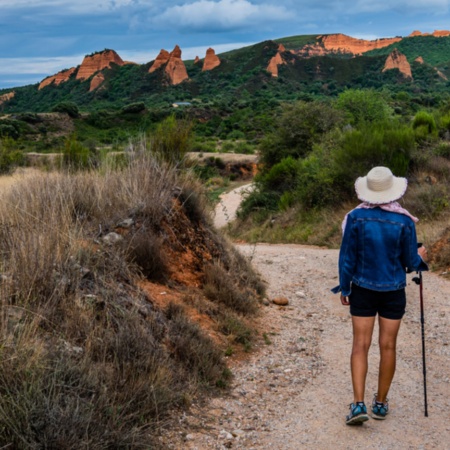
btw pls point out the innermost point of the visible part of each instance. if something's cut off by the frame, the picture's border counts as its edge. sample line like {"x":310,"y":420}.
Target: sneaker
{"x":358,"y":414}
{"x":379,"y":409}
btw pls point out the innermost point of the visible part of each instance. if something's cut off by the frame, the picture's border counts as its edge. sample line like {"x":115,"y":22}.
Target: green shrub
{"x":424,"y":119}
{"x":228,"y":147}
{"x":236,"y":134}
{"x":297,"y":128}
{"x":76,"y":156}
{"x":282,"y":177}
{"x":383,"y":144}
{"x":244,"y":148}
{"x":69,"y":108}
{"x":365,"y":105}
{"x":134,"y":108}
{"x":171,"y":140}
{"x":10,"y":157}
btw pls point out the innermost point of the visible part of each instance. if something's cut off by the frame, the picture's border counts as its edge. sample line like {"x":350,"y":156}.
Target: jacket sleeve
{"x":411,"y":259}
{"x":347,"y":258}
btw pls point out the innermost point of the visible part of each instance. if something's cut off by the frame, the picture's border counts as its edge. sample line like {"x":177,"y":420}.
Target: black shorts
{"x":367,"y":303}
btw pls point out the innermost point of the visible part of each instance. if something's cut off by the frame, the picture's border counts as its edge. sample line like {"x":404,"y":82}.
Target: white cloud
{"x":49,"y":66}
{"x":222,"y":15}
{"x":56,"y":7}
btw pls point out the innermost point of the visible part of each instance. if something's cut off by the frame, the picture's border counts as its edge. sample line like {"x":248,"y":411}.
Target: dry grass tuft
{"x":86,"y":360}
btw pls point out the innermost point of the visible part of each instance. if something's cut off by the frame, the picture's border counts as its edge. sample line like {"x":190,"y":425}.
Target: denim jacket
{"x":378,"y":249}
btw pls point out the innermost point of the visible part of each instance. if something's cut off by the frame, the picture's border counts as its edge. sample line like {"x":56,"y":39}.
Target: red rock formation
{"x":197,"y":60}
{"x":6,"y":97}
{"x":419,"y":59}
{"x":397,"y":60}
{"x":347,"y":44}
{"x":276,"y":61}
{"x":94,"y":63}
{"x":211,"y":60}
{"x":416,"y":33}
{"x":441,"y":33}
{"x":96,"y":81}
{"x":340,"y":43}
{"x":59,"y":78}
{"x":160,"y":60}
{"x":175,"y":68}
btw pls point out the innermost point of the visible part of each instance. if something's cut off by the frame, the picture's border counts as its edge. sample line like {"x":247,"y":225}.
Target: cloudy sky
{"x":40,"y":37}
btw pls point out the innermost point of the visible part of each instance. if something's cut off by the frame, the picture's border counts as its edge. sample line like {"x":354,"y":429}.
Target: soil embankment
{"x":293,"y":391}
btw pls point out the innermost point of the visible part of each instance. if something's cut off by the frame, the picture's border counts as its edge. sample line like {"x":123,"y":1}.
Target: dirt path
{"x":228,"y":205}
{"x":294,"y":390}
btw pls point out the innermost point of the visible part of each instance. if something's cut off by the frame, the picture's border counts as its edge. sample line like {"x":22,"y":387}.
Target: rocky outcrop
{"x":435,"y":33}
{"x":175,"y":68}
{"x":98,"y":61}
{"x":341,"y":43}
{"x":97,"y":81}
{"x":59,"y":78}
{"x":397,"y":60}
{"x":346,"y":44}
{"x":441,"y":33}
{"x":419,"y":59}
{"x":196,"y":60}
{"x":211,"y":60}
{"x":6,"y":97}
{"x":276,"y":61}
{"x":160,"y":60}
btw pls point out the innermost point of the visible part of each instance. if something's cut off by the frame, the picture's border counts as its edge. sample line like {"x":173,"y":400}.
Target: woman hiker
{"x":379,"y":246}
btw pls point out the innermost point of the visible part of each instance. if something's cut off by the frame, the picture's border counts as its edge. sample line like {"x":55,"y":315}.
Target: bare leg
{"x":362,"y":338}
{"x":388,"y":341}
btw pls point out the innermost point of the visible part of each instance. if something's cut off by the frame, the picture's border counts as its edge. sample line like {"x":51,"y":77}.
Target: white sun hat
{"x":380,"y":186}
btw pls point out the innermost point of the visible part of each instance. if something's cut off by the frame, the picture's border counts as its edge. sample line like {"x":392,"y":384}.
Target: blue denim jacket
{"x":378,"y":249}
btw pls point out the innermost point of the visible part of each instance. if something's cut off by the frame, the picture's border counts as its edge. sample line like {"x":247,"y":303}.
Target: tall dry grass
{"x":86,"y":361}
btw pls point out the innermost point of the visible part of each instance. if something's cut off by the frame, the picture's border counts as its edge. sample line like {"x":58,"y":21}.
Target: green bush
{"x":76,"y":156}
{"x":69,"y":108}
{"x":134,"y":108}
{"x":424,"y":119}
{"x":298,"y":127}
{"x":10,"y":157}
{"x":365,"y":105}
{"x":244,"y":148}
{"x":282,"y":177}
{"x":172,"y":139}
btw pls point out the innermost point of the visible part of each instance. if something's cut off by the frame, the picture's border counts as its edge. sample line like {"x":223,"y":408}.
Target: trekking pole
{"x":418,"y":280}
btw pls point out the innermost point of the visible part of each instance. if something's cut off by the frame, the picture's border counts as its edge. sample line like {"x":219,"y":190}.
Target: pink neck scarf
{"x":392,"y":207}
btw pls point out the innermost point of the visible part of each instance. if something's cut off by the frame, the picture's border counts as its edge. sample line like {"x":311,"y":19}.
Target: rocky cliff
{"x":174,"y":66}
{"x":94,"y":63}
{"x":346,"y":44}
{"x":397,"y":60}
{"x":97,"y":81}
{"x":60,"y":77}
{"x":276,"y":61}
{"x":6,"y":97}
{"x":435,"y":33}
{"x":160,"y":60}
{"x":211,"y":60}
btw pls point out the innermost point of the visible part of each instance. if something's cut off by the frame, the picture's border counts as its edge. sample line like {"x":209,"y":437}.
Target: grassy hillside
{"x":434,"y":50}
{"x":243,"y":73}
{"x":118,"y":304}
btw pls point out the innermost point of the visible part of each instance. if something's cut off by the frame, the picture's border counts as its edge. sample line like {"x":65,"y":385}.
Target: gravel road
{"x":294,"y":389}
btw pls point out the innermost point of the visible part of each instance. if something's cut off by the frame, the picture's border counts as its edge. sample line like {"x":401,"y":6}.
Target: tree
{"x":364,"y":105}
{"x":298,"y":127}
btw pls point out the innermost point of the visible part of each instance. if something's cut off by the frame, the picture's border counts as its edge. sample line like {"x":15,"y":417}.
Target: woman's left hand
{"x":344,"y":300}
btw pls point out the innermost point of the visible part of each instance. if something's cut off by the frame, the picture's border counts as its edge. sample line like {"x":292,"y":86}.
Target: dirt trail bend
{"x":293,"y":391}
{"x":228,"y":204}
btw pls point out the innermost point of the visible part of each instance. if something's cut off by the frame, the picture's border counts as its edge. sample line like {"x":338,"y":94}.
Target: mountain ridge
{"x":337,"y":61}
